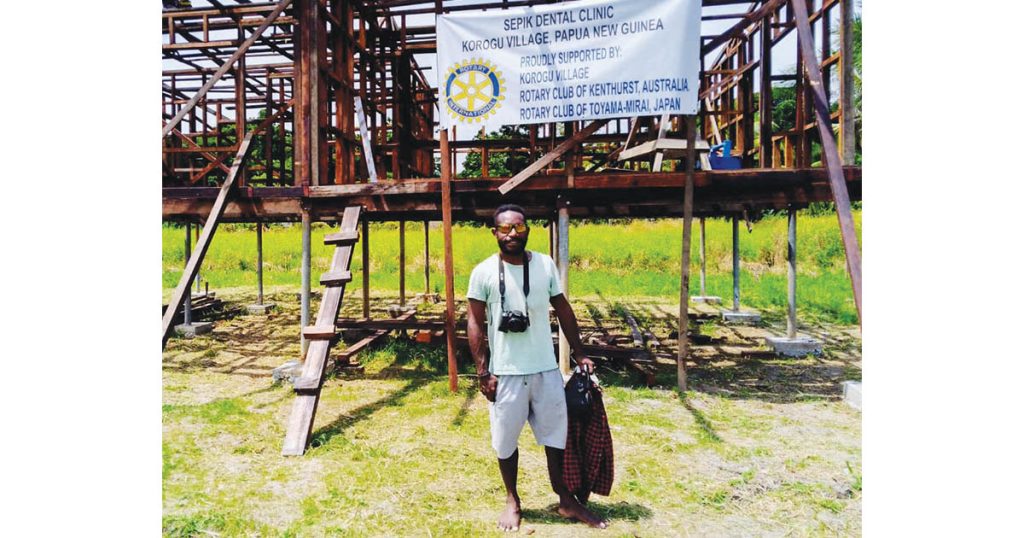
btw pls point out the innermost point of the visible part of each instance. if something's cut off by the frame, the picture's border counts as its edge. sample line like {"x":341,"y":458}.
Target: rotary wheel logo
{"x":474,"y":90}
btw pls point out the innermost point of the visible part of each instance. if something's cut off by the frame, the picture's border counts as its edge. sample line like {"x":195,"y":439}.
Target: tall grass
{"x":639,"y":257}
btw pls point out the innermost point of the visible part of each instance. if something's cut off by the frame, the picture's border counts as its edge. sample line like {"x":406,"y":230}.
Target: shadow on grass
{"x":612,"y":512}
{"x":707,"y":431}
{"x":361,"y":413}
{"x":464,"y":409}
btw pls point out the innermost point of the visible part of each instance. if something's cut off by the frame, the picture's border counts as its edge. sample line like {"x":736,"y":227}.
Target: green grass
{"x":637,"y":258}
{"x":394,"y":453}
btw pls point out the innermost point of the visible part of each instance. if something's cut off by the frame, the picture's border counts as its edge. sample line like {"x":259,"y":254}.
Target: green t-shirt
{"x":527,"y":352}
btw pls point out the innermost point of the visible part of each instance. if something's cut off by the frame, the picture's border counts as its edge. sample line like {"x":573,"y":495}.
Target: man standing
{"x":511,"y":292}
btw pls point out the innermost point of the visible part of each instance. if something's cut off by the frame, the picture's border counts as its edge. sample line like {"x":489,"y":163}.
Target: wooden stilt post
{"x":259,"y":263}
{"x":304,"y":297}
{"x":847,"y":134}
{"x":188,"y":290}
{"x":199,"y":273}
{"x":562,"y":235}
{"x":426,"y":257}
{"x":735,"y":264}
{"x":791,"y":277}
{"x":401,"y":262}
{"x":703,"y":260}
{"x":684,"y":287}
{"x":765,"y":103}
{"x":552,"y":240}
{"x":365,"y":242}
{"x":449,"y":277}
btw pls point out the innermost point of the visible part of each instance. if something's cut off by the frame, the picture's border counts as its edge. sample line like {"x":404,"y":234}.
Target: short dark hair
{"x":507,"y":207}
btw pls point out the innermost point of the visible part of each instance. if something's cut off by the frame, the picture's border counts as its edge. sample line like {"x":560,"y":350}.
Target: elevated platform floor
{"x":604,"y":195}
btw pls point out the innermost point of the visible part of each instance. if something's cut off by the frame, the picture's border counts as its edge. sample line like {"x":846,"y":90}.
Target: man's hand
{"x":489,"y":387}
{"x":586,"y":364}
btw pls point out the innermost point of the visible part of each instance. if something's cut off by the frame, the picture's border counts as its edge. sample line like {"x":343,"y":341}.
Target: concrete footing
{"x":396,"y":310}
{"x":706,"y":299}
{"x":741,"y":316}
{"x":794,"y":347}
{"x":289,"y":371}
{"x":260,"y":309}
{"x":427,"y":298}
{"x":851,"y":394}
{"x":193,"y":329}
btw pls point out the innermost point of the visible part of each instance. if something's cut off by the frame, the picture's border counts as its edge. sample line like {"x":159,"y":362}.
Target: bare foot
{"x":509,"y":519}
{"x":570,"y":508}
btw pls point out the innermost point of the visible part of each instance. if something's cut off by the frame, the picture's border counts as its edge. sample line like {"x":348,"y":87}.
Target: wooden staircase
{"x":321,"y":336}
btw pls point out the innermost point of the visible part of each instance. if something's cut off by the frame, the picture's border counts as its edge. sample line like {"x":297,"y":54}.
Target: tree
{"x":500,"y":164}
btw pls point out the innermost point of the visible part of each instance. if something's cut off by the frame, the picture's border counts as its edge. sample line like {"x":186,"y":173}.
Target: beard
{"x":517,"y":247}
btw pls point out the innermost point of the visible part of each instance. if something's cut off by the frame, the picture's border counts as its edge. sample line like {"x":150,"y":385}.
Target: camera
{"x":513,"y":321}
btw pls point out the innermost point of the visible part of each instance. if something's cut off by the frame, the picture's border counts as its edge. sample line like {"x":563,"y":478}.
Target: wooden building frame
{"x":296,"y":109}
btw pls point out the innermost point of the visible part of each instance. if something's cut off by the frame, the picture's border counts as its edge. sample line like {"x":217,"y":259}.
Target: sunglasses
{"x":506,"y":229}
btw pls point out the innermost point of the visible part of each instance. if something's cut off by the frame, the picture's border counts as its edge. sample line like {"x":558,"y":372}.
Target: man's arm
{"x":477,"y":347}
{"x":567,"y":321}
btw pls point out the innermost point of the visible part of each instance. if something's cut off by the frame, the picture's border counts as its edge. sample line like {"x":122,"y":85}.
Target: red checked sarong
{"x":589,"y":462}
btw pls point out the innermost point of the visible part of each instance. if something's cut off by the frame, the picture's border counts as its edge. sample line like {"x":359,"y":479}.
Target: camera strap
{"x":526,"y":279}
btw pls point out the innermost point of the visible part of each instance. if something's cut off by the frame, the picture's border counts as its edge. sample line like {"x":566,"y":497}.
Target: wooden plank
{"x":315,"y":332}
{"x":224,"y":68}
{"x":351,"y":351}
{"x":341,"y":238}
{"x":634,"y":329}
{"x":830,"y":153}
{"x":671,"y":146}
{"x":550,"y":156}
{"x":300,"y":421}
{"x":371,"y":166}
{"x":660,"y":154}
{"x":335,"y":278}
{"x":634,"y":125}
{"x":354,"y":349}
{"x":192,"y":267}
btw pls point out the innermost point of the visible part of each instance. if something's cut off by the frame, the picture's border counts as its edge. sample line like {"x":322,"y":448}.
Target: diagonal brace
{"x":551,"y":156}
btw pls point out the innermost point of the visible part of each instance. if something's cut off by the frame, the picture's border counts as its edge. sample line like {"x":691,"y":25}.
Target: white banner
{"x":572,"y":61}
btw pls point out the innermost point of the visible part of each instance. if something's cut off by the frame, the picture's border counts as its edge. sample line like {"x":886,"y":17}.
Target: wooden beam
{"x":371,"y":167}
{"x":366,"y":268}
{"x":225,"y":67}
{"x":449,"y":265}
{"x":684,"y":288}
{"x":550,"y":156}
{"x":847,"y":134}
{"x":830,"y":153}
{"x":204,"y":241}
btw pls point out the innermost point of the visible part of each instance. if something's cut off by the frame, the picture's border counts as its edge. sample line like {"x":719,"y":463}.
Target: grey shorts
{"x":539,"y":398}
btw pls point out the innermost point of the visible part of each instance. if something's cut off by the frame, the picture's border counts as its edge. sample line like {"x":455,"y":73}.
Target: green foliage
{"x":500,"y":164}
{"x":615,"y":259}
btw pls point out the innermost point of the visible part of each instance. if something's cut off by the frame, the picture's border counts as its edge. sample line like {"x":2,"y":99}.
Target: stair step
{"x":315,"y":332}
{"x":342,"y":238}
{"x":335,"y":278}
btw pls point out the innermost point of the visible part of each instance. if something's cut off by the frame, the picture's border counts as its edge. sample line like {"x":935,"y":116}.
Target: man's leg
{"x":508,"y":416}
{"x":509,"y":519}
{"x":568,"y":506}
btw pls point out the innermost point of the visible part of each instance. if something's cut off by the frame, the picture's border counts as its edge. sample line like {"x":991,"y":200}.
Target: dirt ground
{"x":758,"y":445}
